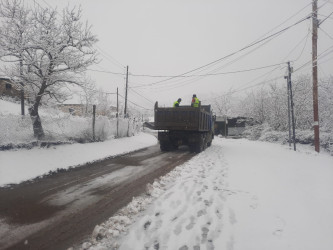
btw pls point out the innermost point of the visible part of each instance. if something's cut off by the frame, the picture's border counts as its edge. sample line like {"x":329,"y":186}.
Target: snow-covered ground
{"x":21,"y":165}
{"x":238,"y":194}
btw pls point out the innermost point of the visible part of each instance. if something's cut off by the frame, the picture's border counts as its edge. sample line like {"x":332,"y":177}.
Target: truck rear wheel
{"x":197,"y":147}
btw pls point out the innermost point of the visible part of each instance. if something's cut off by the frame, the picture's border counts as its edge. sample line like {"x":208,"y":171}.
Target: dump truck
{"x":184,"y":125}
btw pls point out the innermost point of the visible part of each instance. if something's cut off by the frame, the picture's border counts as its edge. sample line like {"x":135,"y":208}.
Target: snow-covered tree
{"x":326,"y":104}
{"x":47,"y":51}
{"x":303,"y":102}
{"x":88,"y":96}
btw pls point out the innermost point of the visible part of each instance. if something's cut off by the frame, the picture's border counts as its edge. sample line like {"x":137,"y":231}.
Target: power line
{"x":109,"y":58}
{"x":326,"y":33}
{"x":108,"y":72}
{"x":283,"y":62}
{"x":325,"y":19}
{"x":325,"y":16}
{"x":136,"y":103}
{"x":142,"y":96}
{"x":238,"y":51}
{"x":306,"y":40}
{"x":212,"y":74}
{"x":287,"y":19}
{"x":322,"y":55}
{"x":265,"y":81}
{"x":246,"y":88}
{"x":177,"y":84}
{"x":279,"y":26}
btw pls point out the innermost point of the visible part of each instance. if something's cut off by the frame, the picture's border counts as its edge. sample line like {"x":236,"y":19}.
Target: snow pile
{"x":238,"y":194}
{"x":264,"y":132}
{"x":21,"y":165}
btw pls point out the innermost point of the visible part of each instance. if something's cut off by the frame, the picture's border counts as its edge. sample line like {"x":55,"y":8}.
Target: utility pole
{"x":315,"y":74}
{"x":288,"y":97}
{"x":94,"y":118}
{"x":125,"y":112}
{"x":117,"y":115}
{"x":117,"y":104}
{"x":292,"y":105}
{"x":22,"y":88}
{"x":22,"y":101}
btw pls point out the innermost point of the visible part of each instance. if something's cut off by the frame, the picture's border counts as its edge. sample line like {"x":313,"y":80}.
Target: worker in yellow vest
{"x":176,"y":103}
{"x":195,"y":101}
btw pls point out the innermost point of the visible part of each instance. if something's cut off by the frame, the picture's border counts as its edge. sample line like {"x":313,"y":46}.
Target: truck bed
{"x":184,"y":118}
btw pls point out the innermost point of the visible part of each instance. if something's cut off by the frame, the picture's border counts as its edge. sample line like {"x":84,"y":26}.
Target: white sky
{"x":156,"y":37}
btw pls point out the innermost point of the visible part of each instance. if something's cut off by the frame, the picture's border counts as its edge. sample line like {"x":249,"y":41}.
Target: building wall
{"x":74,"y":109}
{"x":8,"y":88}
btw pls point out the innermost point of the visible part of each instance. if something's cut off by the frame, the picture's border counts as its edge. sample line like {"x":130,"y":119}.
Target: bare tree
{"x":52,"y":51}
{"x":89,"y":96}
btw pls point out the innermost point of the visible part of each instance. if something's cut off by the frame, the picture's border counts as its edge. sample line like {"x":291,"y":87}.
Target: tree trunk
{"x":36,"y":122}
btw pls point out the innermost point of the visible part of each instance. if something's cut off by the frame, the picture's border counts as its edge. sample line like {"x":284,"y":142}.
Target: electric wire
{"x":283,"y":62}
{"x":173,"y":85}
{"x":142,"y":96}
{"x":286,"y":20}
{"x":325,"y":19}
{"x":108,"y":72}
{"x":285,"y":58}
{"x":224,"y":73}
{"x":321,"y":55}
{"x":238,"y":51}
{"x":270,"y":72}
{"x":258,"y":40}
{"x":326,"y":33}
{"x":137,"y":105}
{"x":245,"y":88}
{"x":325,"y":16}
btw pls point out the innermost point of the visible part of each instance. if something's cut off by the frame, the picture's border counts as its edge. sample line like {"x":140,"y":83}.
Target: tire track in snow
{"x":194,"y":217}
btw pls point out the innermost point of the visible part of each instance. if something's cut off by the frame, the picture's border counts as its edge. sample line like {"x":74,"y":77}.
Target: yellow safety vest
{"x":196,"y":102}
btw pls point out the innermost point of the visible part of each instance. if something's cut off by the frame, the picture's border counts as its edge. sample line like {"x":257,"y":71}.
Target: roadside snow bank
{"x":22,"y":165}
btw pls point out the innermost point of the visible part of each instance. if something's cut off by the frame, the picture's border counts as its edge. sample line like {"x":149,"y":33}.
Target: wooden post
{"x":117,"y":115}
{"x":292,"y":105}
{"x":22,"y":101}
{"x":94,"y":116}
{"x":315,"y":75}
{"x":128,"y":122}
{"x":288,"y":100}
{"x":22,"y":90}
{"x":125,"y":111}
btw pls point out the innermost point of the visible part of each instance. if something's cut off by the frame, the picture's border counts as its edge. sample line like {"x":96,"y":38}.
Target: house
{"x":9,"y":88}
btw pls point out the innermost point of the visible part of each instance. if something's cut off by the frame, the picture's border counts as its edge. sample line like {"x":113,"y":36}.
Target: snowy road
{"x":60,"y":210}
{"x":236,"y":195}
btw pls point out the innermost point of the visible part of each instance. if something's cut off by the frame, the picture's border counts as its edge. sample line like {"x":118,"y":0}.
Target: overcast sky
{"x":172,"y":37}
